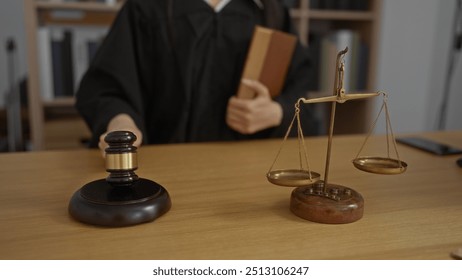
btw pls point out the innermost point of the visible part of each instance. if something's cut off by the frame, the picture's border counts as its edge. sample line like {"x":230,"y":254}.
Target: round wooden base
{"x":336,"y":205}
{"x":99,"y":203}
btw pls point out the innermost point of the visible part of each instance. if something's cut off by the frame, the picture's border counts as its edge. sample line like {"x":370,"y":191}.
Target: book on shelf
{"x":291,"y":3}
{"x":67,"y":64}
{"x":314,"y":50}
{"x":60,"y":39}
{"x":109,"y":2}
{"x":268,"y":59}
{"x":85,"y":36}
{"x":64,"y":55}
{"x":45,"y":63}
{"x":92,"y":48}
{"x":353,"y":5}
{"x":356,"y":60}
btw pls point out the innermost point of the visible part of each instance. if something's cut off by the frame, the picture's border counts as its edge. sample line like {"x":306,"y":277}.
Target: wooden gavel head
{"x":121,"y":158}
{"x":122,"y":199}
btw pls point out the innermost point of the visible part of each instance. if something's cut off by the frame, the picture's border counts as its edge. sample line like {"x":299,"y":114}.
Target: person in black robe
{"x":168,"y":70}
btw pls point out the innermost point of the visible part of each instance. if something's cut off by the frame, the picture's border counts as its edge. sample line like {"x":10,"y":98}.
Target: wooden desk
{"x":224,"y":208}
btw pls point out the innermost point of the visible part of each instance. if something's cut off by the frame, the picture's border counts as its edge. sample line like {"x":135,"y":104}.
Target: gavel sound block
{"x":122,"y":199}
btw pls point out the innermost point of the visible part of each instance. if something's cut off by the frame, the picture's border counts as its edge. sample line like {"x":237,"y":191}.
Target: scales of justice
{"x":319,"y":200}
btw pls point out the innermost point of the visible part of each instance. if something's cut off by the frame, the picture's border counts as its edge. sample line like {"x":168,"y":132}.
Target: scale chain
{"x":301,"y":142}
{"x":388,"y":129}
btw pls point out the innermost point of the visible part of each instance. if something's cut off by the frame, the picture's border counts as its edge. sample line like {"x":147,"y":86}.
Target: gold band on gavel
{"x":123,"y":161}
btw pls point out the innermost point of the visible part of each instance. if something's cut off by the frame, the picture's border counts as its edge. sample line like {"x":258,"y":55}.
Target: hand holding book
{"x":268,"y":59}
{"x":248,"y":116}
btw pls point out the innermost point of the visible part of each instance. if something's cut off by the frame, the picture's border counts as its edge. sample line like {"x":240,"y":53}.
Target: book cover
{"x":56,"y":60}
{"x":45,"y":65}
{"x":345,"y":38}
{"x":81,"y":53}
{"x":331,"y":45}
{"x":327,"y":65}
{"x":62,"y":62}
{"x":67,"y":64}
{"x":314,"y":52}
{"x":268,"y":60}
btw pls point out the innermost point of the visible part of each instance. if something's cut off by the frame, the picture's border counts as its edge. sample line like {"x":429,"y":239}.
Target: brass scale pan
{"x":300,"y":177}
{"x":380,"y":165}
{"x":292,"y":177}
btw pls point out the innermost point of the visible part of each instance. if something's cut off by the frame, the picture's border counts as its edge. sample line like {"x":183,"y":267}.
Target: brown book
{"x":268,"y":60}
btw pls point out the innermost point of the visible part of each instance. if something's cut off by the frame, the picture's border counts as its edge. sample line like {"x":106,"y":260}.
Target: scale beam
{"x":341,"y":98}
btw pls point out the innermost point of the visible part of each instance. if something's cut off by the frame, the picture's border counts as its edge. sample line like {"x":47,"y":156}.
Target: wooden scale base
{"x":334,"y":204}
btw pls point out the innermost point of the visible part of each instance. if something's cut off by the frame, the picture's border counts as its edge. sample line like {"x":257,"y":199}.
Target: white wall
{"x":413,"y":57}
{"x":11,"y":25}
{"x":454,"y":114}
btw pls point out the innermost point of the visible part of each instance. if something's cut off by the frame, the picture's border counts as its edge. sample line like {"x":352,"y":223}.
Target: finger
{"x":102,"y":145}
{"x":239,"y":112}
{"x":234,"y":117}
{"x":240,"y":122}
{"x":242,"y":106}
{"x":239,"y":126}
{"x":138,"y":140}
{"x":260,"y":89}
{"x":237,"y":102}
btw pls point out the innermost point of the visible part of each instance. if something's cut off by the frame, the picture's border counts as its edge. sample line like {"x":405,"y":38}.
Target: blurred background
{"x":407,"y":48}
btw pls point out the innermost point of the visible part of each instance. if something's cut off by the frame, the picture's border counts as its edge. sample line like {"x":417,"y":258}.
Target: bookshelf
{"x":39,"y":13}
{"x":306,"y":16}
{"x":322,"y":18}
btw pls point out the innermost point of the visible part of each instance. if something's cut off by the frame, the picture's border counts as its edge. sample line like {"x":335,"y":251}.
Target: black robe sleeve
{"x":112,"y":85}
{"x":135,"y":72}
